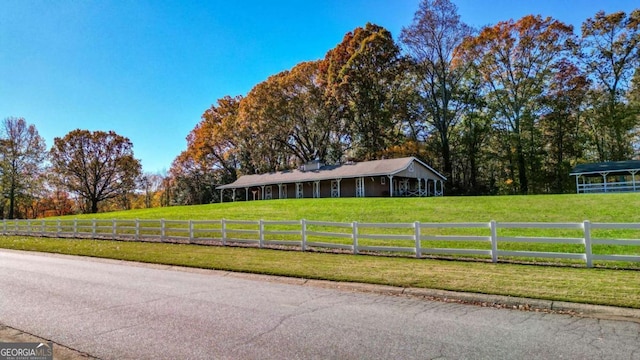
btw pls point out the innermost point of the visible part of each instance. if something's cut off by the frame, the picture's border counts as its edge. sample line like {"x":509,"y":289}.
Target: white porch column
{"x":419,"y":187}
{"x":604,"y":178}
{"x":390,"y":185}
{"x":233,"y":191}
{"x":360,"y":187}
{"x":246,"y":190}
{"x":262,"y":192}
{"x":299,"y":191}
{"x":633,"y":179}
{"x":221,"y":194}
{"x":279,"y":191}
{"x":335,"y":192}
{"x":316,"y":189}
{"x":577,"y":185}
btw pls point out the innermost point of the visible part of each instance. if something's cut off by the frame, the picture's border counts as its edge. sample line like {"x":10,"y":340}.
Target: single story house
{"x":390,"y":177}
{"x":612,"y":176}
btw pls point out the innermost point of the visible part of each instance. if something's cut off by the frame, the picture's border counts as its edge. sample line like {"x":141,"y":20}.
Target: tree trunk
{"x":522,"y":169}
{"x":446,"y":154}
{"x":12,"y":199}
{"x":94,"y":206}
{"x":473,"y":181}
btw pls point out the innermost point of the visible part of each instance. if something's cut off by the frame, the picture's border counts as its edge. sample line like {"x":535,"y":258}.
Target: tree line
{"x":81,"y":171}
{"x":506,"y":109}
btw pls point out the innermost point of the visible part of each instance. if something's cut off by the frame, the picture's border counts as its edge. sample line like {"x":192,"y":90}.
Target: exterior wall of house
{"x":375,"y":188}
{"x":348,"y":188}
{"x":416,"y":170}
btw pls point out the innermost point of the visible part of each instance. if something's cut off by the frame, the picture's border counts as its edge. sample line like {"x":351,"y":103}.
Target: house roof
{"x":329,"y":172}
{"x":606,"y":167}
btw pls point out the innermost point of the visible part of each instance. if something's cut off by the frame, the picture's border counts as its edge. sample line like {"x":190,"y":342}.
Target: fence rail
{"x":496,"y":239}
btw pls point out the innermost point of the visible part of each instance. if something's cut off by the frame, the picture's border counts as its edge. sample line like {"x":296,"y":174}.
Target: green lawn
{"x":542,"y":208}
{"x":595,"y":286}
{"x":538,"y":208}
{"x":567,"y":283}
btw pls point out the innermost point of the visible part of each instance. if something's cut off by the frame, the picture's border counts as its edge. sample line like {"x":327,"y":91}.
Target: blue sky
{"x":148,"y":69}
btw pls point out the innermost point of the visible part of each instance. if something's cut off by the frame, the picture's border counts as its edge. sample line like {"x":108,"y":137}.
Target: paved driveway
{"x":115,"y":310}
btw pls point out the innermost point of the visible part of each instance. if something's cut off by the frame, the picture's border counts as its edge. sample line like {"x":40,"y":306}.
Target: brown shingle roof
{"x":365,"y":168}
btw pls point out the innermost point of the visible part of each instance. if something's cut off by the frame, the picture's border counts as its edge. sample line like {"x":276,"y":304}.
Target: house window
{"x":383,"y":180}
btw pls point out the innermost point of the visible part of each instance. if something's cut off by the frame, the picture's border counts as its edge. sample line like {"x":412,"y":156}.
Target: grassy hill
{"x":538,"y":208}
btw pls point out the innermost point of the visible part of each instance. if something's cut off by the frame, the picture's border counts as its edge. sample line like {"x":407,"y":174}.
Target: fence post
{"x":113,"y":229}
{"x":75,"y":228}
{"x":58,"y":228}
{"x":354,"y":226}
{"x":223,"y":225}
{"x":93,"y":228}
{"x":190,"y":231}
{"x":416,"y":226}
{"x":587,"y":243}
{"x":29,"y":227}
{"x":303,"y":224}
{"x":494,"y":241}
{"x":261,"y":232}
{"x":137,"y":229}
{"x":162,"y":230}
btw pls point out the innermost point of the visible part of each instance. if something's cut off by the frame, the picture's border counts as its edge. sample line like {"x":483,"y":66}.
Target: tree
{"x":471,"y":136}
{"x":516,"y":61}
{"x":561,"y":122}
{"x":22,"y":154}
{"x":193,"y":181}
{"x":96,"y":166}
{"x":610,"y":52}
{"x":290,"y":112}
{"x":364,"y":74}
{"x":150,"y":184}
{"x":262,"y":116}
{"x":216,"y":139}
{"x":431,"y":39}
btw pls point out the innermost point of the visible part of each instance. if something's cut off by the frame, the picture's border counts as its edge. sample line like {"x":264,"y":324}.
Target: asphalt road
{"x":117,"y":310}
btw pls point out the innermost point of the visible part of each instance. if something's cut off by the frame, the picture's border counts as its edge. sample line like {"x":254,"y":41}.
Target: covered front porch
{"x":383,"y":186}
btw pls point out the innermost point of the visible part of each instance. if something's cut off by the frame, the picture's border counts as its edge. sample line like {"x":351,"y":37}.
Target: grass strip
{"x":580,"y":285}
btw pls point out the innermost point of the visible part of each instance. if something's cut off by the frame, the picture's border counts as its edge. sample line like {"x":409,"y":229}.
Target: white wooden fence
{"x":417,"y":238}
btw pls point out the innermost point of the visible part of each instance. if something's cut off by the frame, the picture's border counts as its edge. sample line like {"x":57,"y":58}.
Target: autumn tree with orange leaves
{"x":364,"y":75}
{"x":96,"y":166}
{"x":517,"y":60}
